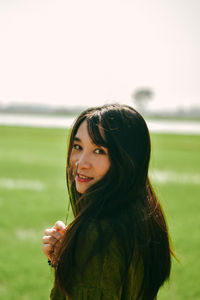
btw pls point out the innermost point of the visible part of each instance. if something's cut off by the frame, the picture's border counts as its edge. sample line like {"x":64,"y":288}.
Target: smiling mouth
{"x":83,"y":178}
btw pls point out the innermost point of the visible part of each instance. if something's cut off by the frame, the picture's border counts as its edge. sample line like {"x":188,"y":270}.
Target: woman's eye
{"x":77,"y":147}
{"x":99,"y":151}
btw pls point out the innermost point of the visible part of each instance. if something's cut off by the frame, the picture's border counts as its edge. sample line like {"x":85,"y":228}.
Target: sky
{"x":75,"y":52}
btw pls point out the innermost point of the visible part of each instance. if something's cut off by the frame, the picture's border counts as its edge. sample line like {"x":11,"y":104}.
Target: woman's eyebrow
{"x":77,"y":139}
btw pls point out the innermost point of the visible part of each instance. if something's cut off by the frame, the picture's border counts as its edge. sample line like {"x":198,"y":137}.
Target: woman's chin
{"x":80,"y":188}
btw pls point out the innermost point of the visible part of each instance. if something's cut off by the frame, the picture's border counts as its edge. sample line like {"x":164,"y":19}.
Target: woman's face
{"x":89,"y":162}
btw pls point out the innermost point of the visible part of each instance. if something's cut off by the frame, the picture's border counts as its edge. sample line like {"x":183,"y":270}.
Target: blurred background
{"x":56,"y":59}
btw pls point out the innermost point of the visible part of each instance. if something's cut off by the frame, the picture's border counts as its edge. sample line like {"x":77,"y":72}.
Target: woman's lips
{"x":83,"y":178}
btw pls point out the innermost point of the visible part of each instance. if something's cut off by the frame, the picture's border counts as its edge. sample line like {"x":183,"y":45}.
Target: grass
{"x":33,"y":196}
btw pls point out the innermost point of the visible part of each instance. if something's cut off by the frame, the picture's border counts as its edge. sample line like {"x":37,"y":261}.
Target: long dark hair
{"x":124,"y":198}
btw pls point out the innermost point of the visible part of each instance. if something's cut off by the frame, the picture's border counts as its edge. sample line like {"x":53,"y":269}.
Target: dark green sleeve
{"x":56,"y":295}
{"x":102,"y":277}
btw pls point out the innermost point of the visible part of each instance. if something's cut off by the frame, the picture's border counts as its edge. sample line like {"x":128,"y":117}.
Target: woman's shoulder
{"x":100,"y":248}
{"x":103,"y":232}
{"x":96,"y":232}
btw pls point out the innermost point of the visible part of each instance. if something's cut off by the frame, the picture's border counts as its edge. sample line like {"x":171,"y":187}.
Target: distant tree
{"x":141,"y":96}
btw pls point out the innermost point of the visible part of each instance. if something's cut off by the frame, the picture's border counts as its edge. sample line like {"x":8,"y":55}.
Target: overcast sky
{"x":88,"y":52}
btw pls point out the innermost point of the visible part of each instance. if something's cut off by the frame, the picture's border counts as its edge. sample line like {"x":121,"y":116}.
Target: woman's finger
{"x":60,"y":227}
{"x":49,"y":240}
{"x":47,"y":249}
{"x":52,"y":232}
{"x":52,"y":238}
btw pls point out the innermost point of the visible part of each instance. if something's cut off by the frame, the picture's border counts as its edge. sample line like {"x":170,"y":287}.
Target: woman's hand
{"x":52,"y":237}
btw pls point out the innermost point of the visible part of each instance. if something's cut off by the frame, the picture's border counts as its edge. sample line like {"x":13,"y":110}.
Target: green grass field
{"x":33,"y":196}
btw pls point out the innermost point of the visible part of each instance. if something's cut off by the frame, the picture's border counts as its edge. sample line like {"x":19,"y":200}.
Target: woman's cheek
{"x":73,"y":158}
{"x":103,"y":165}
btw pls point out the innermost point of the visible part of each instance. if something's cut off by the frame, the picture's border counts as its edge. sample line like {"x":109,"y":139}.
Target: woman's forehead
{"x":82,"y":131}
{"x":91,"y":130}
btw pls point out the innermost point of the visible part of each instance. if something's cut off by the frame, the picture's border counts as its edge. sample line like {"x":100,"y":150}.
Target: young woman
{"x":117,"y":246}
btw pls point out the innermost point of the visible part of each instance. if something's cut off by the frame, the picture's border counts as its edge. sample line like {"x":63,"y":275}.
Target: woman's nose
{"x":84,"y":161}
